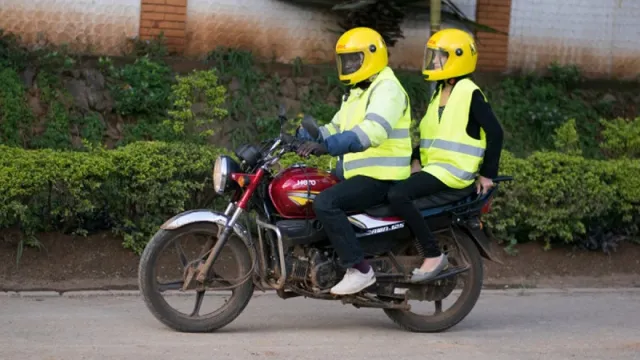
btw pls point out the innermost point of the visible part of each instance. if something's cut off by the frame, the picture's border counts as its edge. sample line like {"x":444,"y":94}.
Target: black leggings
{"x":400,"y":195}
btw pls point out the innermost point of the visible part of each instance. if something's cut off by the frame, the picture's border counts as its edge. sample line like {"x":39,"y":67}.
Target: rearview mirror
{"x":282,"y":116}
{"x":310,"y":125}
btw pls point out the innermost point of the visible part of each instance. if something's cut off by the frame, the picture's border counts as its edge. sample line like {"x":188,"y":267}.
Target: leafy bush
{"x":141,"y":88}
{"x":532,"y":107}
{"x":15,"y":116}
{"x":190,"y":89}
{"x":563,"y":198}
{"x":131,"y":190}
{"x":555,"y":198}
{"x":566,"y":138}
{"x":621,"y":138}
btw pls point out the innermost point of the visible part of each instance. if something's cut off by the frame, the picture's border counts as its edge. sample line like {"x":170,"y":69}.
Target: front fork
{"x":202,"y":270}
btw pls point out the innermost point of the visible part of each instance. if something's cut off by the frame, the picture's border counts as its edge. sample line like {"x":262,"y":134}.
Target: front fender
{"x":205,"y":215}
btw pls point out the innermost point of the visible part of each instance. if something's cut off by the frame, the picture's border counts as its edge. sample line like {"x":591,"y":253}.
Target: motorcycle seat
{"x":439,"y":199}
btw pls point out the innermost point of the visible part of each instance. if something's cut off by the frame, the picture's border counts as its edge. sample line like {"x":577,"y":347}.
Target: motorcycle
{"x":293,"y":256}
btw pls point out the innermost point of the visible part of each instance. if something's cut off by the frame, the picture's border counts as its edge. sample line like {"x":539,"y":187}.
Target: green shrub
{"x":141,"y":88}
{"x":131,"y":190}
{"x":566,"y":139}
{"x":197,"y":86}
{"x":556,"y":198}
{"x":531,"y":107}
{"x":15,"y":116}
{"x":563,"y":198}
{"x":621,"y":138}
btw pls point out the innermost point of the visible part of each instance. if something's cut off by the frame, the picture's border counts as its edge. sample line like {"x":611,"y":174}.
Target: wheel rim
{"x":157,"y":289}
{"x":458,"y":257}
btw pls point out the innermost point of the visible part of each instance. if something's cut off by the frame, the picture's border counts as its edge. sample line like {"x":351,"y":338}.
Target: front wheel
{"x":461,"y":251}
{"x":151,"y":290}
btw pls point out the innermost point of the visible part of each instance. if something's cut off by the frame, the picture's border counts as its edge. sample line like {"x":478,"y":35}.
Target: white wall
{"x":105,"y":24}
{"x":282,"y":30}
{"x":602,"y":36}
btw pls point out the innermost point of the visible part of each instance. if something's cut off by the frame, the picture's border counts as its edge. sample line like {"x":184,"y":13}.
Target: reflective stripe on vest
{"x":454,"y":170}
{"x":328,"y":130}
{"x":391,"y":160}
{"x":377,"y":161}
{"x":446,"y":151}
{"x":452,"y":146}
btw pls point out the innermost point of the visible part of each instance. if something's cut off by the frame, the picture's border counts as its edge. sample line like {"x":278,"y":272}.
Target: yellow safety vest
{"x":391,"y":160}
{"x":446,"y":151}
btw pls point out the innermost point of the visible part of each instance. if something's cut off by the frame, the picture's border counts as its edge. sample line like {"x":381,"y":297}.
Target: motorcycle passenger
{"x":370,"y":136}
{"x":460,"y":137}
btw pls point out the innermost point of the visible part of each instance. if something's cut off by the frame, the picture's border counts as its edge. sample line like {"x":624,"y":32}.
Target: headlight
{"x":222,"y":170}
{"x":220,"y":174}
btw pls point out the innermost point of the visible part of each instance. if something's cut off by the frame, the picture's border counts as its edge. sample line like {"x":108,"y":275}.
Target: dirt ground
{"x":99,"y":262}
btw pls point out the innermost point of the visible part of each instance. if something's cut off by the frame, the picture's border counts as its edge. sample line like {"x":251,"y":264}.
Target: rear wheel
{"x":241,"y":287}
{"x":467,"y":254}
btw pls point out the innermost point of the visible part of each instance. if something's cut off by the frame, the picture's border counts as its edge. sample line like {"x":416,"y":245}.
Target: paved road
{"x":602,"y":325}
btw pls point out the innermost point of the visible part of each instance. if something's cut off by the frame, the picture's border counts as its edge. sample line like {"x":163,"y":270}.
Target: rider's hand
{"x":483,"y":184}
{"x":311,"y":147}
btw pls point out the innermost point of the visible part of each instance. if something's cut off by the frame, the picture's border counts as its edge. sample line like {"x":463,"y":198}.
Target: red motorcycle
{"x":292,"y":253}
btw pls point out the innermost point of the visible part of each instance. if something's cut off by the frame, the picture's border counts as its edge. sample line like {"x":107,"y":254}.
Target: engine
{"x":313,"y":271}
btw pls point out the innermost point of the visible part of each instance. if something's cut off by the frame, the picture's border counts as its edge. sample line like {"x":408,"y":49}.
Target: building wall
{"x":493,"y":48}
{"x":103,"y":24}
{"x":602,"y":36}
{"x":166,"y":17}
{"x":270,"y":28}
{"x":282,"y":31}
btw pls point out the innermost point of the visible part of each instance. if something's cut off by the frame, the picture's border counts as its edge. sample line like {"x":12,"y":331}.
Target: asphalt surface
{"x":603,"y":324}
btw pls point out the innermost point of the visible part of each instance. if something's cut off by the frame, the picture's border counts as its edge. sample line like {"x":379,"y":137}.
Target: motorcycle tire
{"x":167,"y":315}
{"x":463,"y":306}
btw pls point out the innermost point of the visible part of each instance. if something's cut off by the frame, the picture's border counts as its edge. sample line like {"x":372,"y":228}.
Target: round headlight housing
{"x":223,"y":168}
{"x":221,"y":176}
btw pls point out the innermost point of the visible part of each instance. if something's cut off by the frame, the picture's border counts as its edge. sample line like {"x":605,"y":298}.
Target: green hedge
{"x":131,"y":190}
{"x":555,"y":197}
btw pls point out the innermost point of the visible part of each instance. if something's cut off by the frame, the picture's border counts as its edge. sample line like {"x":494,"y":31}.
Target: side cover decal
{"x":374,"y":225}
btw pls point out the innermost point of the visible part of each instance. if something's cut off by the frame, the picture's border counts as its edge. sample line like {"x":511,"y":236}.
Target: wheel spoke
{"x":181,"y":254}
{"x":438,"y":306}
{"x":198,"y":304}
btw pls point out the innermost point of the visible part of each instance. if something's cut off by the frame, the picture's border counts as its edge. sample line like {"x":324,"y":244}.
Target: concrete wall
{"x":282,"y":31}
{"x":602,"y":36}
{"x":103,"y":24}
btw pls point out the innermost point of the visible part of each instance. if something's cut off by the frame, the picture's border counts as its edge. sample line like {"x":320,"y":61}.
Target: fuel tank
{"x":293,"y":190}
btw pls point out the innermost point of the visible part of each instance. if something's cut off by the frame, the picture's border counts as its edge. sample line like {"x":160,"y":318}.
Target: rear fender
{"x":481,"y":239}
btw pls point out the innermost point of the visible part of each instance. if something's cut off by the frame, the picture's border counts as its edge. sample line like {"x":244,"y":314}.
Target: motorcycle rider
{"x":370,"y":135}
{"x":459,"y":138}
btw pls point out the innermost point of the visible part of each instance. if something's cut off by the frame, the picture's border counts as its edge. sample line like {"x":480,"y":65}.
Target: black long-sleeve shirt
{"x":481,"y":116}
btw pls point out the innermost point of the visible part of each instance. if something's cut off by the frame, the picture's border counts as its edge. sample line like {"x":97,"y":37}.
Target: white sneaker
{"x":353,"y":282}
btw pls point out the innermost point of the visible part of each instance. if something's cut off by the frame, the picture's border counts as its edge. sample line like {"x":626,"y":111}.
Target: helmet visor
{"x":434,"y":59}
{"x":349,"y":63}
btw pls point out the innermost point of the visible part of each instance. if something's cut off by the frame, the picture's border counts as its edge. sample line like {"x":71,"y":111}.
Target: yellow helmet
{"x":449,"y":53}
{"x":360,"y":54}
